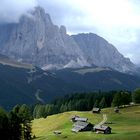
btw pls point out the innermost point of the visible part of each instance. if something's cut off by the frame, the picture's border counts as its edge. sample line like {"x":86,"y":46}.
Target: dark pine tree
{"x":102,"y":103}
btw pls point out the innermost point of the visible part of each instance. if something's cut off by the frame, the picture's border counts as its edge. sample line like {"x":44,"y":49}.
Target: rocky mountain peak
{"x":63,"y":30}
{"x":100,"y":52}
{"x":39,"y":10}
{"x":36,"y":40}
{"x":38,"y":13}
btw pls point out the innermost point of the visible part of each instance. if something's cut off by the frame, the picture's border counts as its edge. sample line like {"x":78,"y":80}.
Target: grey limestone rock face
{"x":36,"y":40}
{"x":99,"y":52}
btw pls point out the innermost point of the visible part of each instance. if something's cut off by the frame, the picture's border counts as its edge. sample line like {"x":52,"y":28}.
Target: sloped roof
{"x":116,"y":108}
{"x":79,"y":126}
{"x":81,"y":119}
{"x":96,"y":109}
{"x":101,"y":127}
{"x":76,"y":129}
{"x":77,"y":118}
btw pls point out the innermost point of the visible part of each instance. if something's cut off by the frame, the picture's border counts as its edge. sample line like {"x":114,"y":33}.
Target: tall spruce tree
{"x":102,"y":103}
{"x":15,"y":124}
{"x":96,"y":104}
{"x":136,"y":95}
{"x":25,"y":117}
{"x":4,"y":125}
{"x":117,"y":99}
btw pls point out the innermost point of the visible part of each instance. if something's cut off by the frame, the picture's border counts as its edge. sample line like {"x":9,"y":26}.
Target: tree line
{"x":72,"y":102}
{"x":86,"y":101}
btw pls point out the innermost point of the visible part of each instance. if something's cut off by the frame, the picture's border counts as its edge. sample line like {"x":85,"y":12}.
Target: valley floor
{"x":125,"y":125}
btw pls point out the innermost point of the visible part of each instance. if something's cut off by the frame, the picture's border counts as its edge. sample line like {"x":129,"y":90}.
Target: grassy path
{"x":103,"y":121}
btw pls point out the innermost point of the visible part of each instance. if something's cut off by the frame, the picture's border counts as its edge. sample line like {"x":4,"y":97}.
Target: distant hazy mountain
{"x":36,"y":40}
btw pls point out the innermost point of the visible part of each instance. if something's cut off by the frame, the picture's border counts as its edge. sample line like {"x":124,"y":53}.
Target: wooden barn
{"x":96,"y":110}
{"x":116,"y":109}
{"x":102,"y":129}
{"x":77,"y":118}
{"x":82,"y":126}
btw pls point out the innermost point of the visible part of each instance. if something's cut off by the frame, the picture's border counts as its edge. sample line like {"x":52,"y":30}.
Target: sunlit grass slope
{"x":125,"y":125}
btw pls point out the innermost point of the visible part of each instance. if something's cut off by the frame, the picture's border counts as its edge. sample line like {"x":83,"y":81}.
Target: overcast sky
{"x":118,"y":21}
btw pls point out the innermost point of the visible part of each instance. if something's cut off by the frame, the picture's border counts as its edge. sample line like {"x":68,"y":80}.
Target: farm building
{"x":82,"y":126}
{"x":77,"y":118}
{"x":96,"y":110}
{"x":116,"y":110}
{"x":102,"y":129}
{"x":57,"y":132}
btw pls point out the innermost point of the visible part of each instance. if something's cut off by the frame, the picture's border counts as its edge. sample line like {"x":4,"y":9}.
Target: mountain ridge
{"x":100,"y":52}
{"x":36,"y":40}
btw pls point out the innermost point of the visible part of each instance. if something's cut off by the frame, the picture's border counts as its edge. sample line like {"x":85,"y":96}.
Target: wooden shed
{"x":82,"y":126}
{"x":116,"y":109}
{"x":96,"y":110}
{"x":77,"y":118}
{"x":102,"y":128}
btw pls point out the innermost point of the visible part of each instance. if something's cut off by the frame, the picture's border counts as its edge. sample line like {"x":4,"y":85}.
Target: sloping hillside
{"x":23,"y":83}
{"x":125,"y":125}
{"x":99,"y":78}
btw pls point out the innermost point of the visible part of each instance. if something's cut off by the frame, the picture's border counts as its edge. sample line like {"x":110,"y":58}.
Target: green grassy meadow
{"x":125,"y":125}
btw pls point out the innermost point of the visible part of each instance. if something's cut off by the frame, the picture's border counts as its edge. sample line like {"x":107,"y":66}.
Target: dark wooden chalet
{"x":96,"y":110}
{"x":77,"y":118}
{"x":82,"y":126}
{"x":102,"y":129}
{"x":116,"y":109}
{"x":57,"y":132}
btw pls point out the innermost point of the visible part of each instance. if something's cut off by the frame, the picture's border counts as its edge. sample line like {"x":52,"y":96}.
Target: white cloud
{"x":11,"y":10}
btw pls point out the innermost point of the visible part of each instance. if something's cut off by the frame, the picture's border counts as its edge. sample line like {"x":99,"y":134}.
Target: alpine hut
{"x":96,"y":110}
{"x":82,"y":126}
{"x":102,"y":129}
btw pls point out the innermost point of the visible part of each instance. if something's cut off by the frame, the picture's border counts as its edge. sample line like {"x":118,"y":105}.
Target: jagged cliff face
{"x":101,"y":53}
{"x":36,"y":40}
